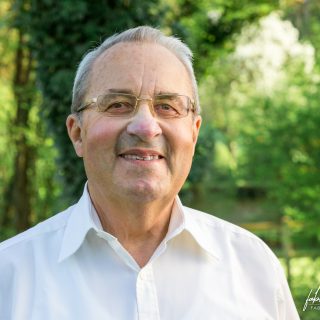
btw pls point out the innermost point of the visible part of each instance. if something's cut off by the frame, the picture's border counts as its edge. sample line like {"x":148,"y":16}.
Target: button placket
{"x":147,"y":300}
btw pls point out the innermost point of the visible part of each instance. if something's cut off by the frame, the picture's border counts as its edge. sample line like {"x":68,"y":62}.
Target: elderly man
{"x":129,"y":249}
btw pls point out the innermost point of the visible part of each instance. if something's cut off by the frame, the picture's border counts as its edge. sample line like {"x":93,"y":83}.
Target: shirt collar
{"x":80,"y":221}
{"x":83,"y":217}
{"x":183,"y":220}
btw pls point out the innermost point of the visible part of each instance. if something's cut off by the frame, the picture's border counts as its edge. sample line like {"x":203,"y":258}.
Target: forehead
{"x":144,"y":68}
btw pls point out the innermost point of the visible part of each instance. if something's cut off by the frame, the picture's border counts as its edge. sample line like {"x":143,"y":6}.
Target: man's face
{"x":106,"y":143}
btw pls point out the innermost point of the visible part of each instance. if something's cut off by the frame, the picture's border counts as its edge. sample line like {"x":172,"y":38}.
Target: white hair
{"x":138,"y":34}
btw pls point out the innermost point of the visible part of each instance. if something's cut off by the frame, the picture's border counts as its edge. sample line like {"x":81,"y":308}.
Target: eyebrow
{"x":129,"y":91}
{"x":164,"y":93}
{"x":112,"y":90}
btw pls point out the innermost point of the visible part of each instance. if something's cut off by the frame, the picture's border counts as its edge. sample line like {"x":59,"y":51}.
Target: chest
{"x":172,"y":287}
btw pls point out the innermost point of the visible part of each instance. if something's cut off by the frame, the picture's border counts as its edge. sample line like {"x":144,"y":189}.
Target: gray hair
{"x":138,"y":34}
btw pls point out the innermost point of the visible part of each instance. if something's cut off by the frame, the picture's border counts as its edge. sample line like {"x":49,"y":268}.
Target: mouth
{"x":141,"y":155}
{"x":136,"y":157}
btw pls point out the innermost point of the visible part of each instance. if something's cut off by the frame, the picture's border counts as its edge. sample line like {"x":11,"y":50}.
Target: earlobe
{"x":74,"y":131}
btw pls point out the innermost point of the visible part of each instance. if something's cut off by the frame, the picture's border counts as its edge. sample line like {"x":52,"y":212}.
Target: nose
{"x":144,"y":124}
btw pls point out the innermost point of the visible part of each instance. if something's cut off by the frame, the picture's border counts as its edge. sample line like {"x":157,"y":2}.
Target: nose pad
{"x":145,"y":100}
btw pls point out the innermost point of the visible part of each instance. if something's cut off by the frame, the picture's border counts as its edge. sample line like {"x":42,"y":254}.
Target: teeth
{"x":136,"y":157}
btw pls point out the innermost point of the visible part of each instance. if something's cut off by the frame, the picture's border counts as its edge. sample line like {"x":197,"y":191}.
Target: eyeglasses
{"x":125,"y":105}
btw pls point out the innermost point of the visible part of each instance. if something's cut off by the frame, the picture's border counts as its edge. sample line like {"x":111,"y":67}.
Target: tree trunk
{"x":17,"y":208}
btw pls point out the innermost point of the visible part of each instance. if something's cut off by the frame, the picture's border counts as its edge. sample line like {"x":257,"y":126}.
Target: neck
{"x":139,"y":227}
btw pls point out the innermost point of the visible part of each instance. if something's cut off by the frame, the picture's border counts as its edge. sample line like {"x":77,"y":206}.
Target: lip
{"x":142,"y":153}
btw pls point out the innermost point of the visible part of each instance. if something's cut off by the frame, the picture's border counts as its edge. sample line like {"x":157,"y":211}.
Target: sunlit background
{"x":258,"y":156}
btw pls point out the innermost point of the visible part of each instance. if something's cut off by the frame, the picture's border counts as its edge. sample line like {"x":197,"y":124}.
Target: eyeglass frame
{"x":141,"y":98}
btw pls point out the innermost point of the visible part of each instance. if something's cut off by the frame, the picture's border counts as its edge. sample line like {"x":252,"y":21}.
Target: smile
{"x":143,"y":158}
{"x":140,"y":154}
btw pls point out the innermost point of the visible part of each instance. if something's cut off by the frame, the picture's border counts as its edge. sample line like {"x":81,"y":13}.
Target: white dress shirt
{"x":67,"y":267}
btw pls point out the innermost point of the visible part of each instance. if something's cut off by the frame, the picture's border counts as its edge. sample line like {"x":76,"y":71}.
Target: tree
{"x":209,"y":27}
{"x":17,"y":207}
{"x":26,"y":156}
{"x":268,"y":117}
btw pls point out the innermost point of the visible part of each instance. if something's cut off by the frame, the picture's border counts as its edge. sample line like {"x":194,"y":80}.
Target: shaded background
{"x":258,"y":155}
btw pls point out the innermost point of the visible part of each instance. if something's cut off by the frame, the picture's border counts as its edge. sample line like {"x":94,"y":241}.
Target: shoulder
{"x":43,"y":230}
{"x":214,"y":223}
{"x":230,"y":239}
{"x":244,"y":257}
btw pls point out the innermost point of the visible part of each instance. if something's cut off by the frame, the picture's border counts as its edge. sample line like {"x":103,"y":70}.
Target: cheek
{"x":183,"y":149}
{"x":100,"y":140}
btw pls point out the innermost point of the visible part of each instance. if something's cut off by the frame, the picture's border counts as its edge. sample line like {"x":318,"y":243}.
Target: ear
{"x":195,"y":130}
{"x":74,"y":131}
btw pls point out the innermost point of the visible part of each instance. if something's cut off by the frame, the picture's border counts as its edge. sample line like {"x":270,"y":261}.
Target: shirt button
{"x":143,"y":276}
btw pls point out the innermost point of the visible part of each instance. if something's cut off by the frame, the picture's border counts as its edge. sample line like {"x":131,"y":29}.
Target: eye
{"x":116,"y":104}
{"x":119,"y":107}
{"x":166,"y":108}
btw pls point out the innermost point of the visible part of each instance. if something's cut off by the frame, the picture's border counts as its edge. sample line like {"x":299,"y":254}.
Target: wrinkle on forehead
{"x":145,"y":63}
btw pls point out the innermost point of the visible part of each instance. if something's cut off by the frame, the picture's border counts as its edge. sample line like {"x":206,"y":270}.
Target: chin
{"x":143,"y":192}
